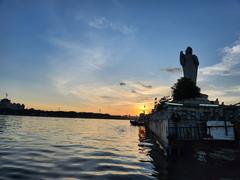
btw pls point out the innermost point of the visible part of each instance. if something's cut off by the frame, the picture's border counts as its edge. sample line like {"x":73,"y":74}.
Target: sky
{"x":115,"y":56}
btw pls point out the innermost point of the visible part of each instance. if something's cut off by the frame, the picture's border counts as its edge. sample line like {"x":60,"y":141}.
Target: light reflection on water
{"x":50,"y":148}
{"x":36,"y":147}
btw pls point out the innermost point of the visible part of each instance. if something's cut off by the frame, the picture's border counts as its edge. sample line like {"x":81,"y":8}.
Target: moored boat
{"x":137,"y":123}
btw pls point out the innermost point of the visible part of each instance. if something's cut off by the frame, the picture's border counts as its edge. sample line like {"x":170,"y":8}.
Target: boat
{"x":137,"y":123}
{"x":140,"y":121}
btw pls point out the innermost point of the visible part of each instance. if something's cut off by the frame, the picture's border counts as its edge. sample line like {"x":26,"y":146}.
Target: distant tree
{"x":185,"y":88}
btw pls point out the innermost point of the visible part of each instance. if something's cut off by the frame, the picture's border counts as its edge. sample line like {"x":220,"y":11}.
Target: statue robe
{"x":190,"y":64}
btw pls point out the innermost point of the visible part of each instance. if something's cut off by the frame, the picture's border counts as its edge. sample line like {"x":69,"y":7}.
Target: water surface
{"x":39,"y":147}
{"x":65,"y":148}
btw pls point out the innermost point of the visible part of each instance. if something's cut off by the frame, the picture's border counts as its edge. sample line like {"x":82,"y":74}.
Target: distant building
{"x":6,"y":104}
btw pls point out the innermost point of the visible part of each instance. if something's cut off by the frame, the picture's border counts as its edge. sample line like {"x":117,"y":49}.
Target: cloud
{"x":75,"y":65}
{"x":76,"y":73}
{"x":148,"y":90}
{"x":122,"y":84}
{"x":99,"y":23}
{"x":229,"y":65}
{"x":134,"y":91}
{"x":104,"y":23}
{"x":172,"y":70}
{"x":145,"y":86}
{"x":145,"y":89}
{"x":230,"y":95}
{"x":110,"y":98}
{"x":77,"y":55}
{"x":220,"y":80}
{"x":136,"y":85}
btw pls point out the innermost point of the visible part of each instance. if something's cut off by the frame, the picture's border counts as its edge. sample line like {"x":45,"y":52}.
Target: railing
{"x":194,"y":133}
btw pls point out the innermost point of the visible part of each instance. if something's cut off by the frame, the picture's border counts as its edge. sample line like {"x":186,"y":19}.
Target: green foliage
{"x":185,"y":88}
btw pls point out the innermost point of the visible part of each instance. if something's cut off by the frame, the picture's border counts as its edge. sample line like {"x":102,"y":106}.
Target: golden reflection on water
{"x":64,"y":148}
{"x":110,"y":135}
{"x":142,"y":133}
{"x":99,"y":133}
{"x":90,"y":146}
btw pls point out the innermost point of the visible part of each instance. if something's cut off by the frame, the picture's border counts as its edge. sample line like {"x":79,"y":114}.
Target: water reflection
{"x":2,"y":123}
{"x":220,"y":164}
{"x":50,"y":148}
{"x":43,"y":148}
{"x":148,"y":145}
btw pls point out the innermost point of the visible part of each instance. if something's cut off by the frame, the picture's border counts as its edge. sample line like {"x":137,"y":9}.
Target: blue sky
{"x":75,"y":54}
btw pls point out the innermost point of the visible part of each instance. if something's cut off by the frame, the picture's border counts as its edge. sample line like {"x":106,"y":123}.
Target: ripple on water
{"x":50,"y":148}
{"x":63,"y":148}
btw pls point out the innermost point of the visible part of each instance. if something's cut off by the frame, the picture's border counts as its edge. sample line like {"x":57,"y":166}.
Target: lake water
{"x":64,"y":148}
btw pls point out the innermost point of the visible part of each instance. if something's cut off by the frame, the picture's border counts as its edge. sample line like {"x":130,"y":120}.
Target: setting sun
{"x":143,"y":108}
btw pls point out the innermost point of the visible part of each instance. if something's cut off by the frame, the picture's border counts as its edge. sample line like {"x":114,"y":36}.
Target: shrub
{"x":185,"y":88}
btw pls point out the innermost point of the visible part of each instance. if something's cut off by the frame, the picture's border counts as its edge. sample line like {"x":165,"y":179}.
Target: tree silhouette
{"x":185,"y":88}
{"x":161,"y":105}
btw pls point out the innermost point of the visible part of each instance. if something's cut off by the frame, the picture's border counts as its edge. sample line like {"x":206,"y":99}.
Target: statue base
{"x":203,"y":99}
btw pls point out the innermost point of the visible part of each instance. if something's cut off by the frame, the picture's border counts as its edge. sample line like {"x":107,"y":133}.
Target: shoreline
{"x":62,"y":114}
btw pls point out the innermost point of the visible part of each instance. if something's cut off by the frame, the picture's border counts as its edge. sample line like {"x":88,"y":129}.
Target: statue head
{"x":188,"y":50}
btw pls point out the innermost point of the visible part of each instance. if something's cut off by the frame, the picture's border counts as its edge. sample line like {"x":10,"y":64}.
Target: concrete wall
{"x":190,"y":117}
{"x":159,"y":125}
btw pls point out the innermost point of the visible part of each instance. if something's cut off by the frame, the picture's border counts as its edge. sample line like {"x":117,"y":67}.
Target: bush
{"x":185,"y":88}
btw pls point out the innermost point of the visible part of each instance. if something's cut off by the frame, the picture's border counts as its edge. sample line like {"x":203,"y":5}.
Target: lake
{"x":65,"y":148}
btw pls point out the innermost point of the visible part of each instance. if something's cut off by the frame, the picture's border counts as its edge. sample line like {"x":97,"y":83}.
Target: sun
{"x":142,"y":108}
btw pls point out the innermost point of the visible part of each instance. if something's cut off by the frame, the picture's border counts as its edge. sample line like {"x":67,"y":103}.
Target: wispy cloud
{"x":143,"y":90}
{"x":104,"y":23}
{"x":99,"y":23}
{"x":76,"y":55}
{"x":109,"y":98}
{"x":172,"y":70}
{"x":134,"y":91}
{"x":75,"y":73}
{"x":136,"y":85}
{"x":228,"y":95}
{"x":122,"y":84}
{"x":144,"y":85}
{"x":75,"y":65}
{"x":229,"y":65}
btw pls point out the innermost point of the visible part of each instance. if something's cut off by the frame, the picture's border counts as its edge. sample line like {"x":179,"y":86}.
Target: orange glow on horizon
{"x":143,"y":107}
{"x":113,"y":110}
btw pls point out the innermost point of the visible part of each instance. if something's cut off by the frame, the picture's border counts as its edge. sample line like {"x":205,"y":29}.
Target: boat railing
{"x":195,"y":133}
